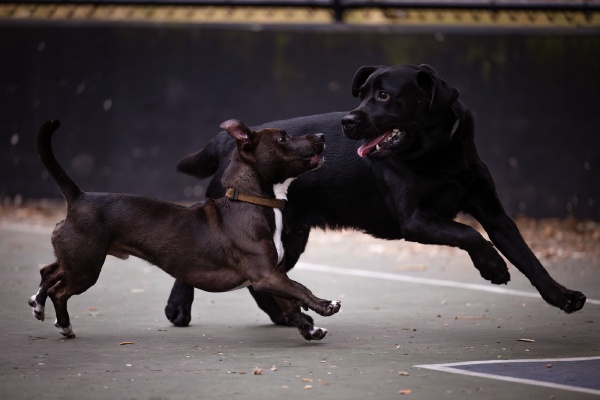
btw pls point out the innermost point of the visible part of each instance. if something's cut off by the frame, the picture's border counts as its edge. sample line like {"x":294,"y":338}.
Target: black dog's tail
{"x":204,"y":163}
{"x":44,"y":148}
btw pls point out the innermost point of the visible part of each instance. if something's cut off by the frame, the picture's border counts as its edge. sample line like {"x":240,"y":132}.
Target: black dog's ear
{"x":441,"y":94}
{"x":239,"y":131}
{"x":361,"y":76}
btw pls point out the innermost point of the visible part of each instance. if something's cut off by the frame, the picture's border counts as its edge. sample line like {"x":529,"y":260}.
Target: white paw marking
{"x":335,"y":305}
{"x":68,"y":331}
{"x":318,"y":333}
{"x":36,"y":309}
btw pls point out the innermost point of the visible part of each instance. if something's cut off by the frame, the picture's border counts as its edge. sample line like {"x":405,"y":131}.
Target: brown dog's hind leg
{"x":74,"y":281}
{"x":59,"y":294}
{"x":294,"y":317}
{"x":51,"y":274}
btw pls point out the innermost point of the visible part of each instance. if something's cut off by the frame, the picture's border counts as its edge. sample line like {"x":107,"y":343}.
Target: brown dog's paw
{"x":67,"y":332}
{"x":316,"y":333}
{"x":36,"y":309}
{"x":333,"y":307}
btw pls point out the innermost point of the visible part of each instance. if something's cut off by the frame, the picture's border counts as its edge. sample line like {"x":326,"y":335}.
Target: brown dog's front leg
{"x":294,"y":317}
{"x":278,"y":284}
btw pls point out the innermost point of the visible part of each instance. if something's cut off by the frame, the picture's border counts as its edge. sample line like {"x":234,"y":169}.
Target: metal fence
{"x":403,"y":12}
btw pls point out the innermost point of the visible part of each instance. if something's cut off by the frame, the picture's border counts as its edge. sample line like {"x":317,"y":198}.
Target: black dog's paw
{"x":569,"y":300}
{"x":179,"y":305}
{"x":497,"y":276}
{"x":179,"y":315}
{"x":491,"y":266}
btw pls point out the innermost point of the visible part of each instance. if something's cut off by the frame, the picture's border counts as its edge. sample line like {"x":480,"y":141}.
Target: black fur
{"x":411,"y":187}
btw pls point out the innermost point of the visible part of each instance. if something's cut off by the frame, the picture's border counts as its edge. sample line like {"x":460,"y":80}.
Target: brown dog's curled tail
{"x":44,"y":148}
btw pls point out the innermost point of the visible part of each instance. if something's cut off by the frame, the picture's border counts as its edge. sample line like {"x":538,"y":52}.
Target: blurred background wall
{"x":137,"y":87}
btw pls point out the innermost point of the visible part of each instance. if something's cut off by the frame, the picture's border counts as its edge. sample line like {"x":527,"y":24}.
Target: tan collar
{"x":235,"y":195}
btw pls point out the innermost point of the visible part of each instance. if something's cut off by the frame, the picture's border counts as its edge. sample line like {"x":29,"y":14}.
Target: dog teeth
{"x":377,"y":147}
{"x":395,"y":133}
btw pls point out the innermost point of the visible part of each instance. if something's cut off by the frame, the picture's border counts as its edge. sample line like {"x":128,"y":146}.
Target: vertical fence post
{"x":338,"y":11}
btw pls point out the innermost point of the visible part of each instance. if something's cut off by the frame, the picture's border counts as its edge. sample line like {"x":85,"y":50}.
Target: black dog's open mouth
{"x":385,"y":141}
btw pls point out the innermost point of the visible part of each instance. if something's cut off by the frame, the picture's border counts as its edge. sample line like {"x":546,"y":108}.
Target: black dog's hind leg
{"x":179,"y":305}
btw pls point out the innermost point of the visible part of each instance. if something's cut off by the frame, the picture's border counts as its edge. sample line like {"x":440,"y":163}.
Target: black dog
{"x":416,"y":169}
{"x":216,"y":245}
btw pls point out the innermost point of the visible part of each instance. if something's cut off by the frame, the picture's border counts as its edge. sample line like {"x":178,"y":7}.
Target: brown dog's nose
{"x":320,"y":136}
{"x":317,"y":141}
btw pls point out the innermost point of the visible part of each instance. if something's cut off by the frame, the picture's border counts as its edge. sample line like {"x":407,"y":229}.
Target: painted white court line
{"x":449,"y":368}
{"x":27,"y":228}
{"x":423,"y":281}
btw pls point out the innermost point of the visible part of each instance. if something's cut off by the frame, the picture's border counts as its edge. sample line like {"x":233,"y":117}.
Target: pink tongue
{"x":367,"y":147}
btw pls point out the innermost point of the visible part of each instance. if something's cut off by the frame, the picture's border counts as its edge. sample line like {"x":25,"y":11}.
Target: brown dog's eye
{"x":384,"y":96}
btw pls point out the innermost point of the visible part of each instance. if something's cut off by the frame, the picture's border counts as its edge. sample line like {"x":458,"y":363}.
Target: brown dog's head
{"x":398,"y":106}
{"x":275,"y":155}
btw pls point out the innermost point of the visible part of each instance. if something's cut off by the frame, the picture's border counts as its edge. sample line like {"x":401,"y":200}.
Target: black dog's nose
{"x":320,"y":136}
{"x":349,"y":121}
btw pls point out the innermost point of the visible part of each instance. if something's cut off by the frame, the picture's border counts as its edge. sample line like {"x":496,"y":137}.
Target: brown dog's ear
{"x":239,"y":131}
{"x":361,"y":76}
{"x":441,"y":94}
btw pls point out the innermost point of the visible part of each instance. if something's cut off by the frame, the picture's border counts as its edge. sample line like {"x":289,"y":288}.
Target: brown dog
{"x":216,"y":245}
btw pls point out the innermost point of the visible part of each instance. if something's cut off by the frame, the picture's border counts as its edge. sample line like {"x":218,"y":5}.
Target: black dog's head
{"x":395,"y":103}
{"x":275,"y":155}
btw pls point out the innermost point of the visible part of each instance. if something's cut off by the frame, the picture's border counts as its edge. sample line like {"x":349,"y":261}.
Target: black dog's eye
{"x":283,"y":138}
{"x":383,"y":96}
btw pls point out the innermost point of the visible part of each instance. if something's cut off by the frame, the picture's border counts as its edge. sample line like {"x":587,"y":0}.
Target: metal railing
{"x":339,"y":9}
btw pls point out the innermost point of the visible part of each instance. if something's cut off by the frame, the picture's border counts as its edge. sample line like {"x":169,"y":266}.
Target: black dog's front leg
{"x":504,"y":233}
{"x":428,"y":228}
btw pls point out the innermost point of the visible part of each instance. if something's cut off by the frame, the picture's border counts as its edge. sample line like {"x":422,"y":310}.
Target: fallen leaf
{"x":124,"y":343}
{"x":307,"y":386}
{"x":257,"y":371}
{"x":470,"y":317}
{"x":402,"y":373}
{"x":307,"y":380}
{"x":273,"y":368}
{"x":405,"y":391}
{"x":526,"y":340}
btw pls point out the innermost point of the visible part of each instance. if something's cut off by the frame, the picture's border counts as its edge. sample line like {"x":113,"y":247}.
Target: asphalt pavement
{"x":416,"y":322}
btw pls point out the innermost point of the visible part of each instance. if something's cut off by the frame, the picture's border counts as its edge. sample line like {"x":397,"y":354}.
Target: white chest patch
{"x":280,"y":191}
